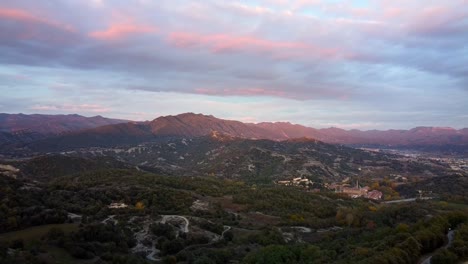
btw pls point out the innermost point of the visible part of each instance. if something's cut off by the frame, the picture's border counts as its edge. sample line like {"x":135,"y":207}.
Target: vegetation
{"x":457,"y":251}
{"x":227,"y":219}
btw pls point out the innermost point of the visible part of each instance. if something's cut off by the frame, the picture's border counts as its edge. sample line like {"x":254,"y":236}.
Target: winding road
{"x":109,"y":219}
{"x":407,"y":200}
{"x":450,"y":237}
{"x":226,"y":228}
{"x":184,"y":228}
{"x":152,"y":252}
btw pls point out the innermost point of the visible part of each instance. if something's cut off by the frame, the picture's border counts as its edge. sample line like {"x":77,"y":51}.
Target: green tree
{"x":275,"y":254}
{"x":444,"y":256}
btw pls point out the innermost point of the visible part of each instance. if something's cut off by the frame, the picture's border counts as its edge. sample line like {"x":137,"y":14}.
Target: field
{"x":36,"y":233}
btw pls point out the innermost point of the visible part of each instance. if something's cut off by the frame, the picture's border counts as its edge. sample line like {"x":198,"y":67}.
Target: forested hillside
{"x":194,"y":219}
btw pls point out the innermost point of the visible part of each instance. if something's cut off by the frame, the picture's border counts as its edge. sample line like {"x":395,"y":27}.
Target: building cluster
{"x":457,"y":164}
{"x":356,"y":191}
{"x":399,"y":178}
{"x":299,"y":181}
{"x":342,"y":187}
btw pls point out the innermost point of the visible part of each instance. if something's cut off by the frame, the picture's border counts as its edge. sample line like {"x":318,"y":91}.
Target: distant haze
{"x":350,"y":64}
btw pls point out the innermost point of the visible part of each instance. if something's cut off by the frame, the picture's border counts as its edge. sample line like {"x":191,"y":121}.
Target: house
{"x":356,"y":191}
{"x":286,"y":183}
{"x":299,"y":181}
{"x":353,"y":192}
{"x":117,"y":206}
{"x":374,"y":195}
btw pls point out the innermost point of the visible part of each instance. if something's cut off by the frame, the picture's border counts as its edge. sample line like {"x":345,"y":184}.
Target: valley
{"x":218,"y":197}
{"x":233,"y":132}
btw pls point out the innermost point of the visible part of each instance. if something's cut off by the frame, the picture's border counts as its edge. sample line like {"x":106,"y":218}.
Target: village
{"x":383,"y":186}
{"x":456,"y":164}
{"x":353,"y":191}
{"x":456,"y":161}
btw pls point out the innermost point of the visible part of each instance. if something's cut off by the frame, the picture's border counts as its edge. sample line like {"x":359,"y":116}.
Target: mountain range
{"x":51,"y":124}
{"x":62,"y":132}
{"x":23,"y":128}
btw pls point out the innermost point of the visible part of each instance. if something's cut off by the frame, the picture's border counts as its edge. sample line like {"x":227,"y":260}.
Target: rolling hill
{"x":262,"y":160}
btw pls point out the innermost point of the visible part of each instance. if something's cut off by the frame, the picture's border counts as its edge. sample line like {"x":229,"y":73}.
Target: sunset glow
{"x":354,"y":64}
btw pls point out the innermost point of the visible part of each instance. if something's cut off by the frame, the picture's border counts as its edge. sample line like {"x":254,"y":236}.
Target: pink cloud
{"x":23,"y":25}
{"x":241,"y":92}
{"x":438,"y":20}
{"x":92,"y":108}
{"x":421,"y":18}
{"x":121,"y":30}
{"x":220,"y":43}
{"x":393,"y":12}
{"x":313,"y":91}
{"x":250,"y":10}
{"x":25,"y":16}
{"x":21,"y":15}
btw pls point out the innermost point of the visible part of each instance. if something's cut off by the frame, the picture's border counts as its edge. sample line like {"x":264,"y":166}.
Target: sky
{"x":364,"y":64}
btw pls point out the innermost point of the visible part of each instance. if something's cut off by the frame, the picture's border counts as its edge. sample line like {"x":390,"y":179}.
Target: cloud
{"x":70,"y":108}
{"x":118,"y":31}
{"x":374,"y":55}
{"x":225,"y":43}
{"x":241,"y":92}
{"x":17,"y":25}
{"x":439,"y":21}
{"x":25,"y":16}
